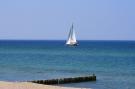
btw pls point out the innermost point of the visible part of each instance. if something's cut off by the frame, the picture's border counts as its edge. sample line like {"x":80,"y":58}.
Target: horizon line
{"x":60,"y":40}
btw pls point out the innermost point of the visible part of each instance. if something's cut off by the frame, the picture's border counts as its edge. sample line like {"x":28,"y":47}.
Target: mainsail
{"x":71,"y":37}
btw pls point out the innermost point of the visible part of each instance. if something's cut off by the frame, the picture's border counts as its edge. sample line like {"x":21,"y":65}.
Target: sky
{"x":51,"y":19}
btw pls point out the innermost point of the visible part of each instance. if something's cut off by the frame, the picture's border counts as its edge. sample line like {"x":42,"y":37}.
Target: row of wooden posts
{"x":66,"y":80}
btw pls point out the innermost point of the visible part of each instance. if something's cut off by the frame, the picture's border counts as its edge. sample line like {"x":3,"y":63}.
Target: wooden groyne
{"x":66,"y":80}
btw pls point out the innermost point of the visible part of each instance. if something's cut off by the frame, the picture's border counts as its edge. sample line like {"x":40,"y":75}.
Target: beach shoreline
{"x":28,"y":85}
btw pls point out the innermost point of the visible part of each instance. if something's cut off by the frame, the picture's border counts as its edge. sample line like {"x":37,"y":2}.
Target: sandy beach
{"x":27,"y":85}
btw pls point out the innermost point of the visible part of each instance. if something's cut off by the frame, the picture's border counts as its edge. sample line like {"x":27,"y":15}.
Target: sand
{"x":28,"y":85}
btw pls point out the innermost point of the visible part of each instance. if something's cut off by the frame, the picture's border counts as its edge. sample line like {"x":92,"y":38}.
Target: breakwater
{"x":66,"y":80}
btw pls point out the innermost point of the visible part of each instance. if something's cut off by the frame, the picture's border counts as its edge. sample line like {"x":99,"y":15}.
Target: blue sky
{"x":51,"y":19}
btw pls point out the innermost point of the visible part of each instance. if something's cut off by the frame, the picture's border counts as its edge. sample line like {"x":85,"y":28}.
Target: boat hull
{"x":72,"y":44}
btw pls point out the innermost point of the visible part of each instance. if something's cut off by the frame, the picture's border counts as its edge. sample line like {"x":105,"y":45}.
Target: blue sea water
{"x":113,"y":62}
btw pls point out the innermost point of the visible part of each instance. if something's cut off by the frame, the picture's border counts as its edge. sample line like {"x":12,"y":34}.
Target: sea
{"x":113,"y":62}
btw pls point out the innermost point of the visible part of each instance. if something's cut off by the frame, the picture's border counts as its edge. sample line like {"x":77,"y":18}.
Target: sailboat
{"x":71,"y":41}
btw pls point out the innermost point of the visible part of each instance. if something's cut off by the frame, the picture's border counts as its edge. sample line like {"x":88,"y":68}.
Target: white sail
{"x":71,"y":37}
